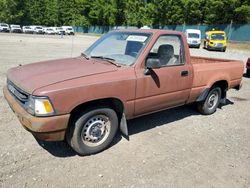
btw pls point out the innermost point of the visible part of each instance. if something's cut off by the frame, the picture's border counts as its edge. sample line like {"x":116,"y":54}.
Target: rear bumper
{"x":44,"y":128}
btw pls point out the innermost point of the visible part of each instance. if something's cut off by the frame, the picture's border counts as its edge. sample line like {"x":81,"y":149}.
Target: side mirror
{"x":153,"y":63}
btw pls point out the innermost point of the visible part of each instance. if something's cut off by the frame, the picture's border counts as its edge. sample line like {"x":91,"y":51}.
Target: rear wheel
{"x":92,"y":131}
{"x":211,"y":102}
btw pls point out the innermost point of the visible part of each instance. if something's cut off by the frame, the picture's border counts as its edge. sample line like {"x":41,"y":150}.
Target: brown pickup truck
{"x":123,"y":75}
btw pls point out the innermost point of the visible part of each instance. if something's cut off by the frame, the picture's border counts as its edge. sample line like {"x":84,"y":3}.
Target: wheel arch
{"x":223,"y":84}
{"x":115,"y":103}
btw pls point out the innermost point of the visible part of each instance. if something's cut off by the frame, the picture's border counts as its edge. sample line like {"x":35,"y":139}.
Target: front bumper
{"x":44,"y":128}
{"x":217,"y":47}
{"x":194,"y":44}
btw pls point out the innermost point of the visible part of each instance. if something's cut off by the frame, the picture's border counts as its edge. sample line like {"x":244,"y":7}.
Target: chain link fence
{"x":235,"y":32}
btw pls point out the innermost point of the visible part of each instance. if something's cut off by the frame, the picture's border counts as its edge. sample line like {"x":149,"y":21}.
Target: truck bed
{"x":207,"y":71}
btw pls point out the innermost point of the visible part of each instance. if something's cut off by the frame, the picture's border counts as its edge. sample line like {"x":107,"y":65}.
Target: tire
{"x":92,"y":131}
{"x":198,"y":47}
{"x":224,"y":49}
{"x":211,"y":102}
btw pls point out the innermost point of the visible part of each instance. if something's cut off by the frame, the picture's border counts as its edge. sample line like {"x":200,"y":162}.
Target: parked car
{"x":248,"y":67}
{"x":193,"y":37}
{"x":123,"y":75}
{"x":215,"y":40}
{"x":69,"y":30}
{"x":145,"y":27}
{"x":49,"y":31}
{"x":124,"y":27}
{"x":59,"y":30}
{"x":27,"y":29}
{"x":4,"y":27}
{"x":15,"y":29}
{"x":37,"y":29}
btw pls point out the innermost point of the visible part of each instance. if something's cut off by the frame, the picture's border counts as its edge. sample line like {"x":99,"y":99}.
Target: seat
{"x":166,"y":55}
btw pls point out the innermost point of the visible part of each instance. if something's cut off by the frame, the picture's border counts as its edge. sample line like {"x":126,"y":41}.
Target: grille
{"x":20,"y":95}
{"x":219,"y":44}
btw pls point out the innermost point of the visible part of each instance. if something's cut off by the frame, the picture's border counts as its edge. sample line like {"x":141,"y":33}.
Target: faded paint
{"x":75,"y":81}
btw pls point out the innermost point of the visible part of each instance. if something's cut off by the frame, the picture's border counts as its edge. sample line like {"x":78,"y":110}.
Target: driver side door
{"x":167,"y":86}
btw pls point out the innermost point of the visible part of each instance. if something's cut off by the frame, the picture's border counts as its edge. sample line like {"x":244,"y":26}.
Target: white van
{"x":69,"y":30}
{"x":193,"y":37}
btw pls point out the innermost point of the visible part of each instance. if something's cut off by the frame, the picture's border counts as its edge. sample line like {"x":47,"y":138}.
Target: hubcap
{"x":96,"y":130}
{"x":213,"y":99}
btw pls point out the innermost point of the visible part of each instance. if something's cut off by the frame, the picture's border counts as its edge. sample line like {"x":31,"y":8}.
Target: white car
{"x":15,"y":29}
{"x":145,"y":27}
{"x":69,"y":30}
{"x":37,"y":29}
{"x":49,"y":31}
{"x":4,"y":27}
{"x":27,"y":29}
{"x":193,"y":37}
{"x":58,"y":30}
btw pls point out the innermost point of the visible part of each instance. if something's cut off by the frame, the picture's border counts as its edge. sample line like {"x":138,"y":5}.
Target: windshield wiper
{"x":108,"y":59}
{"x":84,"y":55}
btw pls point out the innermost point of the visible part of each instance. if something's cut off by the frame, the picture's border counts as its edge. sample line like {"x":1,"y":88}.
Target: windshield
{"x":39,"y":28}
{"x":27,"y":27}
{"x":70,"y":29}
{"x":123,"y":47}
{"x":4,"y":25}
{"x":218,"y":36}
{"x":193,"y":35}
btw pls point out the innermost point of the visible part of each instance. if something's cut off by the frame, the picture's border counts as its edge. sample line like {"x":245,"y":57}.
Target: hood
{"x":33,"y":76}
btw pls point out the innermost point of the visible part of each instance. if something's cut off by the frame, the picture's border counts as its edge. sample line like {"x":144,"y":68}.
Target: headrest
{"x":166,"y":50}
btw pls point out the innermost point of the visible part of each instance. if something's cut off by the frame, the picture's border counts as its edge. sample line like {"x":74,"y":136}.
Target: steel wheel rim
{"x":96,"y":130}
{"x":213,"y":99}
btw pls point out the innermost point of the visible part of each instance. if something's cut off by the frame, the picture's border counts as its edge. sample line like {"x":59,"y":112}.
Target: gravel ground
{"x":174,"y":148}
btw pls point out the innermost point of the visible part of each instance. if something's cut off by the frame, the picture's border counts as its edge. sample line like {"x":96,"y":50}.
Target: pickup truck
{"x":123,"y":75}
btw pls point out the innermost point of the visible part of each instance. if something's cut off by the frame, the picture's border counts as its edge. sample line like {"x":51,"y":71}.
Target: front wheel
{"x":92,"y":131}
{"x":211,"y":102}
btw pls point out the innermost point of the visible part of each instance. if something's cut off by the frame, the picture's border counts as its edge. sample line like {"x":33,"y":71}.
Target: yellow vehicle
{"x":215,"y":40}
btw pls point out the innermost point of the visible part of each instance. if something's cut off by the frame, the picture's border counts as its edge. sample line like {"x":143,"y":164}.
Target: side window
{"x":169,"y":50}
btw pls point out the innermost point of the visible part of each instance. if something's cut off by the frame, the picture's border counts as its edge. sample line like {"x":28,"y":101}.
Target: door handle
{"x":184,"y":73}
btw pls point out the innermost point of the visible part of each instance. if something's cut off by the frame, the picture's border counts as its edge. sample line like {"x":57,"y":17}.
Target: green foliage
{"x":121,"y":12}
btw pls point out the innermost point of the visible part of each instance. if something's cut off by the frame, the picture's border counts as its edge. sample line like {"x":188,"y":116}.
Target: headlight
{"x":40,"y":106}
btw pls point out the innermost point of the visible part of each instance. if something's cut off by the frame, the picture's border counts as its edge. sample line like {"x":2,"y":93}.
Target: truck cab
{"x":193,"y":37}
{"x":215,"y":40}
